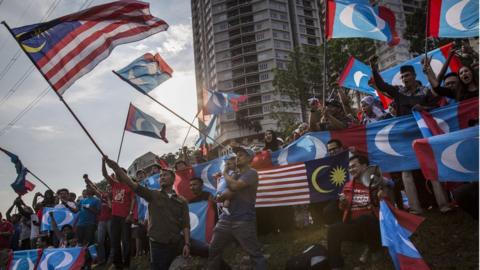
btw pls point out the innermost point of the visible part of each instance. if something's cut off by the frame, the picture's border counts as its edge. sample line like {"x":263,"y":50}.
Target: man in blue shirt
{"x":87,"y":218}
{"x":240,"y":225}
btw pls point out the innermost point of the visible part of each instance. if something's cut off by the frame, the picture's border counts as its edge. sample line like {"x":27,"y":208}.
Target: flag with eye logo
{"x":359,"y":19}
{"x":62,"y":258}
{"x":222,"y":102}
{"x":146,"y":72}
{"x":66,"y":48}
{"x":63,"y":216}
{"x":202,"y":220}
{"x":141,"y":123}
{"x":24,"y":259}
{"x":452,"y":18}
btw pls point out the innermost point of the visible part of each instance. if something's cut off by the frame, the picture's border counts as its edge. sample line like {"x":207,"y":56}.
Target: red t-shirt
{"x":121,"y":199}
{"x":105,"y":211}
{"x":360,"y":202}
{"x":5,"y":226}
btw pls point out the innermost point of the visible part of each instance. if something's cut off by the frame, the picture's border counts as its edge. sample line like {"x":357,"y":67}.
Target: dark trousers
{"x":162,"y":255}
{"x":467,"y":198}
{"x":243,"y":232}
{"x":86,"y":235}
{"x":365,"y":229}
{"x":325,"y":212}
{"x":121,"y":233}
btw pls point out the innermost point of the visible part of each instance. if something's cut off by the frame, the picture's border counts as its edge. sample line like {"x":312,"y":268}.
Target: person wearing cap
{"x":240,"y":225}
{"x":168,"y":215}
{"x":330,"y":117}
{"x":372,"y":111}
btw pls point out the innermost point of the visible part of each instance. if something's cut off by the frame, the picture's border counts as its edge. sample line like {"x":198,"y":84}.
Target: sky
{"x":48,"y":140}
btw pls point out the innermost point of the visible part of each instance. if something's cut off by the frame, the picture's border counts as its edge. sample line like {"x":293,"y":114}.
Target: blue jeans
{"x":245,"y":233}
{"x":102,"y":230}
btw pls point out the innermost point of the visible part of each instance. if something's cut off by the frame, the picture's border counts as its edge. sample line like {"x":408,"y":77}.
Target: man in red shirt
{"x":360,"y":217}
{"x":121,"y":221}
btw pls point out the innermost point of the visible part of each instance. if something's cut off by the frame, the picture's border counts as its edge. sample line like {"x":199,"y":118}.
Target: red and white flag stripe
{"x":102,"y":29}
{"x":283,"y":185}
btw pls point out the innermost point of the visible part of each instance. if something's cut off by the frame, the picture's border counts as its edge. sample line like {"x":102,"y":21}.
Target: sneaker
{"x":446,"y":210}
{"x":365,"y":254}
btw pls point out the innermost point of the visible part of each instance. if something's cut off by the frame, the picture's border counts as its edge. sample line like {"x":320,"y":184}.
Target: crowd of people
{"x":108,"y":218}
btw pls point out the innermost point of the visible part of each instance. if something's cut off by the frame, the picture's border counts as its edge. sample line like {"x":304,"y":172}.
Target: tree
{"x":416,"y":21}
{"x":303,"y":77}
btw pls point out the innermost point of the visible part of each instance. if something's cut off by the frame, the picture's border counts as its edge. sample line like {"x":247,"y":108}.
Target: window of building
{"x":264,"y":76}
{"x":262,"y":66}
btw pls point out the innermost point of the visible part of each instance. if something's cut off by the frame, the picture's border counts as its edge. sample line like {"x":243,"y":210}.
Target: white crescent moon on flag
{"x":320,"y":148}
{"x":346,"y":17}
{"x":194,"y":221}
{"x":383,"y":143}
{"x":282,"y":158}
{"x":450,"y":160}
{"x":453,"y":17}
{"x":68,"y":219}
{"x":380,"y":23}
{"x":204,"y":176}
{"x":67,"y":259}
{"x":138,"y":123}
{"x":44,"y":263}
{"x":357,"y":77}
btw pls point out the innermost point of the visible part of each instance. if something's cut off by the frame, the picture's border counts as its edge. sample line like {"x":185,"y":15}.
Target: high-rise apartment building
{"x":238,"y":44}
{"x":390,"y":56}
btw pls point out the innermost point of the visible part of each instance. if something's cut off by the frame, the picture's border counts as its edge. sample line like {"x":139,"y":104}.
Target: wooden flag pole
{"x":427,"y":24}
{"x":168,"y":109}
{"x":58,"y":95}
{"x":123,"y":134}
{"x":324,"y":90}
{"x":40,"y":180}
{"x":190,"y":127}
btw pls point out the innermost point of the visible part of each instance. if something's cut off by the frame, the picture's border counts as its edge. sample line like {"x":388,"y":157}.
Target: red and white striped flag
{"x":68,"y":47}
{"x":283,"y":185}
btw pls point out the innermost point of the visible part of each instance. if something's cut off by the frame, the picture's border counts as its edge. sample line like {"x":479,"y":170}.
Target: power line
{"x":38,"y":98}
{"x":30,"y":106}
{"x":12,"y":61}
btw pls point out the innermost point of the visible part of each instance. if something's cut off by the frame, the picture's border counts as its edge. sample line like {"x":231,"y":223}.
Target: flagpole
{"x":189,"y":128}
{"x":53,"y":88}
{"x":123,"y":134}
{"x":168,"y":109}
{"x":40,"y":180}
{"x":427,"y":24}
{"x":325,"y":3}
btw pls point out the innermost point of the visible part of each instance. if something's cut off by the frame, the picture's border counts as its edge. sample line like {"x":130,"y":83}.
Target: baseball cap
{"x":246,"y":150}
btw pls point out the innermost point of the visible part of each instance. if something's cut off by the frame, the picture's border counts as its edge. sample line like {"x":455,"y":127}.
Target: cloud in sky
{"x":49,"y":141}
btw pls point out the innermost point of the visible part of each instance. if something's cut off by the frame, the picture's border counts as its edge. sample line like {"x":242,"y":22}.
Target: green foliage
{"x":415,"y":32}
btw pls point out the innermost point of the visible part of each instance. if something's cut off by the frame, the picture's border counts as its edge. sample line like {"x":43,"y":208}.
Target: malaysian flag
{"x":66,"y":48}
{"x":303,"y":182}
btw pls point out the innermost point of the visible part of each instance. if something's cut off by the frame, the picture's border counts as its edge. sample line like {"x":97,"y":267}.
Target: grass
{"x":446,"y":242}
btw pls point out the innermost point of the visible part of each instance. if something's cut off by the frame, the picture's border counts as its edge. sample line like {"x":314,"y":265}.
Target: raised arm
{"x":427,"y":69}
{"x":9,"y":212}
{"x":380,"y":84}
{"x":122,"y":177}
{"x":35,"y":199}
{"x":442,"y":72}
{"x":109,"y":179}
{"x":54,"y":226}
